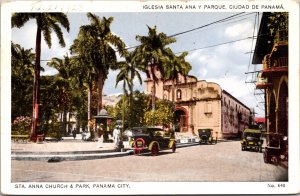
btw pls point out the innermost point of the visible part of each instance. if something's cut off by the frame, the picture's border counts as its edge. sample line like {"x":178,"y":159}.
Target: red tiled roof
{"x":260,"y":120}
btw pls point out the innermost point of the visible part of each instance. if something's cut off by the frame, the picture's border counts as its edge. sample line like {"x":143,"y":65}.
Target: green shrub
{"x":21,"y":125}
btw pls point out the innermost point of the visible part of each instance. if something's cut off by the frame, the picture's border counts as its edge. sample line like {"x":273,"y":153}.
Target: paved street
{"x":214,"y":163}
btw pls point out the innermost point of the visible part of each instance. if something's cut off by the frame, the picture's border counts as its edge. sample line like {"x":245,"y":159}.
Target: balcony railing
{"x":266,"y":61}
{"x":281,"y":62}
{"x":281,"y":36}
{"x":277,"y":58}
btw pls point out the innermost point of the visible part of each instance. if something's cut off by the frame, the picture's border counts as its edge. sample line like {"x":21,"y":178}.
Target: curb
{"x":62,"y":152}
{"x":68,"y":157}
{"x":77,"y":155}
{"x":182,"y":145}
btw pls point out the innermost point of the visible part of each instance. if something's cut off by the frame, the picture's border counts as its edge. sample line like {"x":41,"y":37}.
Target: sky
{"x":224,"y":64}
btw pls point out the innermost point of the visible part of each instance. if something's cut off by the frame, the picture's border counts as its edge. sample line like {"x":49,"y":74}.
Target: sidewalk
{"x":63,"y":146}
{"x":70,"y":149}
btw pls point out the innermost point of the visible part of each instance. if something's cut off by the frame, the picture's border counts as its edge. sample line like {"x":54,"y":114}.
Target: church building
{"x":201,"y":104}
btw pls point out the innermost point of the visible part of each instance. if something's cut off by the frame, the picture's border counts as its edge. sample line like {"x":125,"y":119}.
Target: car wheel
{"x":243,"y":148}
{"x":174,"y":147}
{"x":154,"y":150}
{"x":275,"y":160}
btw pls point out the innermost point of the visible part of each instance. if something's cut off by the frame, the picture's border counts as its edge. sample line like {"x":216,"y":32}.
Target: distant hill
{"x":111,"y":100}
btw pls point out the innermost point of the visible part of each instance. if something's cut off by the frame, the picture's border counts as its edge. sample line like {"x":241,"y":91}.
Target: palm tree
{"x":63,"y":81}
{"x":83,"y":69}
{"x":127,"y":83}
{"x":152,"y":54}
{"x":177,"y":67}
{"x":21,"y":77}
{"x":128,"y":71}
{"x":46,"y":22}
{"x":62,"y":66}
{"x":98,"y":49}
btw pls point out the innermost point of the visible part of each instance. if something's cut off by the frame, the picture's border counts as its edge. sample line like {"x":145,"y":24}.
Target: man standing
{"x":74,"y":133}
{"x":116,"y":136}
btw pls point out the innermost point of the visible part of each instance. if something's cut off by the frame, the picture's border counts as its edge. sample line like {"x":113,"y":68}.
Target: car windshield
{"x":140,"y":131}
{"x":158,"y":133}
{"x":204,"y":130}
{"x":253,"y":127}
{"x":250,"y":134}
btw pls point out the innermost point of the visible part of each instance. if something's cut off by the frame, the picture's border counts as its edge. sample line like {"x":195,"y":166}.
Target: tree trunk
{"x":153,"y":87}
{"x":90,"y":104}
{"x":65,"y":123}
{"x":36,"y":87}
{"x":100,"y":89}
{"x":131,"y":99}
{"x":61,"y":125}
{"x":123,"y":109}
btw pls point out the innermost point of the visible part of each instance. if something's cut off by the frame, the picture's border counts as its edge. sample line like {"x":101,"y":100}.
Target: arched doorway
{"x":283,"y":109}
{"x":181,"y":120}
{"x":272,"y":114}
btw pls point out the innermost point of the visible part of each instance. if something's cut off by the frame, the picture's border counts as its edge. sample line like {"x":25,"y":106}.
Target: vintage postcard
{"x":149,"y":97}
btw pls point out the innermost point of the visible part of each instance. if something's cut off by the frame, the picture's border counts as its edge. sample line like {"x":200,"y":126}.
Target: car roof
{"x":207,"y":129}
{"x":148,"y":128}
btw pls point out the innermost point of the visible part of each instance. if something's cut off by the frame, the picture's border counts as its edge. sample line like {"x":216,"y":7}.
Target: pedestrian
{"x":99,"y":133}
{"x":74,"y":133}
{"x":116,"y":136}
{"x":84,"y":134}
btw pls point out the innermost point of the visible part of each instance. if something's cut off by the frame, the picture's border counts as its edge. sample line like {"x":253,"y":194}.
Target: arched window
{"x":165,"y":96}
{"x":178,"y":94}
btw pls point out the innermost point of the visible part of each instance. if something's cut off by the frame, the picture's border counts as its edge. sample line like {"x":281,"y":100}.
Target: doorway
{"x":181,"y":120}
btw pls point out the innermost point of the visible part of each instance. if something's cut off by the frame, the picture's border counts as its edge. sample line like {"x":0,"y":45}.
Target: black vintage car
{"x":205,"y":136}
{"x":252,"y":139}
{"x":151,"y":139}
{"x":276,"y":149}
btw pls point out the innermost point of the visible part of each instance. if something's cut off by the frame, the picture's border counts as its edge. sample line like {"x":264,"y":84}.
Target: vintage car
{"x":205,"y":136}
{"x":252,"y":139}
{"x":151,"y":139}
{"x":276,"y":149}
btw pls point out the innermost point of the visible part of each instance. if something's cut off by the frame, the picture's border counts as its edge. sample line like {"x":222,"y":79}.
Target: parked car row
{"x":153,"y":139}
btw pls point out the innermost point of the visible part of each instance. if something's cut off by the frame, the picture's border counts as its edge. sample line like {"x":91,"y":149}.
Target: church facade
{"x":201,"y":104}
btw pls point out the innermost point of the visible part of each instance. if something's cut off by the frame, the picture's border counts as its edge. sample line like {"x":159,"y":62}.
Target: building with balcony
{"x":271,"y":50}
{"x":201,"y":104}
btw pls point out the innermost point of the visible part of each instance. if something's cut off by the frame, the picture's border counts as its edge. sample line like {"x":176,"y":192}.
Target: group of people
{"x":116,"y":135}
{"x":100,"y":131}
